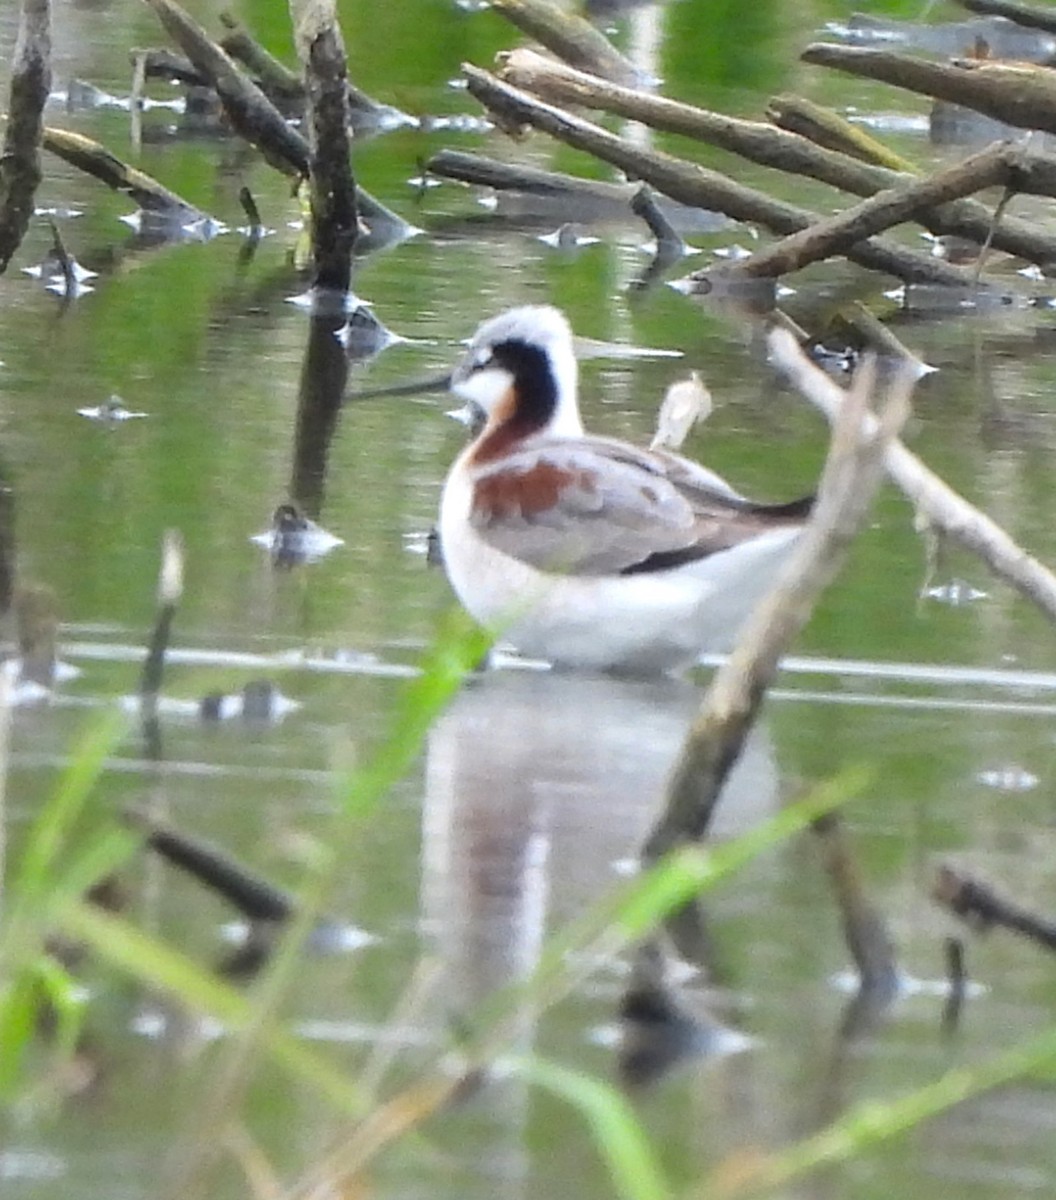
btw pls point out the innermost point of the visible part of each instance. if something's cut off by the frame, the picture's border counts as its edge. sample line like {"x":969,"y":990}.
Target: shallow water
{"x":534,"y":790}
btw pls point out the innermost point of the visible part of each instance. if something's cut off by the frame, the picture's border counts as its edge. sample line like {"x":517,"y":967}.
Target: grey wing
{"x":566,"y":508}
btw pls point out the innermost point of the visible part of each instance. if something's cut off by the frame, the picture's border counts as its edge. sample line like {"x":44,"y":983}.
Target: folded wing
{"x":595,"y":507}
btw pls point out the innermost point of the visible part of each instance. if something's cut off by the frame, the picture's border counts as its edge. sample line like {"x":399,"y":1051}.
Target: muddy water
{"x":533,"y":791}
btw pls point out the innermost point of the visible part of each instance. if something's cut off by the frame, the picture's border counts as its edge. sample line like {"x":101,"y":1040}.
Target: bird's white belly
{"x":649,"y":622}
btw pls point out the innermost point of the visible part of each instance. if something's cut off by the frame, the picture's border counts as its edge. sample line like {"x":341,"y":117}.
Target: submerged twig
{"x":20,"y":158}
{"x":982,"y":908}
{"x":944,"y":509}
{"x":692,"y":184}
{"x":852,"y":472}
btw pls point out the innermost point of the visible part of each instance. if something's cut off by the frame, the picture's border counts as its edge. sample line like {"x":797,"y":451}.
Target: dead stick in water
{"x":827,"y":129}
{"x":837,"y":234}
{"x":102,"y":164}
{"x":276,"y":79}
{"x":570,"y":37}
{"x":335,"y":221}
{"x":864,"y":929}
{"x":852,"y":473}
{"x":251,"y":113}
{"x":982,"y":908}
{"x":943,"y":508}
{"x":1021,"y":14}
{"x":20,"y":158}
{"x":692,"y":184}
{"x":775,"y":148}
{"x":1019,"y":94}
{"x":170,"y":589}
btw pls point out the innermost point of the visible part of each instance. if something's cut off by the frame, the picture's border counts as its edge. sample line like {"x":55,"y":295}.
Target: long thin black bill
{"x":436,"y":383}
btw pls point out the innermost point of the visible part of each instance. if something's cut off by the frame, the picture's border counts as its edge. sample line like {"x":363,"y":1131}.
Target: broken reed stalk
{"x":20,"y":158}
{"x":170,"y":590}
{"x":982,"y":908}
{"x":692,"y":184}
{"x":335,"y":221}
{"x":778,"y":149}
{"x":1021,"y":14}
{"x":852,"y":473}
{"x":570,"y":37}
{"x":935,"y":501}
{"x":1019,"y":94}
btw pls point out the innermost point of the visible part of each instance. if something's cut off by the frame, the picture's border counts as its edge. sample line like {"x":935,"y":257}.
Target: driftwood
{"x":1017,"y":93}
{"x":277,"y":81}
{"x":983,"y":908}
{"x":837,"y":234}
{"x":251,"y":113}
{"x":692,"y":184}
{"x":101,"y":164}
{"x":332,"y":188}
{"x":784,"y":151}
{"x":254,"y":117}
{"x":939,"y":505}
{"x":570,"y":37}
{"x":20,"y":158}
{"x":1021,"y":14}
{"x":826,"y":128}
{"x":850,"y":478}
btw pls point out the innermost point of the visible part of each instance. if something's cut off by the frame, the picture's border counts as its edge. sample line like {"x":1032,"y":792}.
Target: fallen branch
{"x":101,"y":164}
{"x":251,"y":114}
{"x":1017,"y":93}
{"x":1021,"y":14}
{"x":692,"y":184}
{"x":982,"y":908}
{"x":833,"y":132}
{"x":570,"y":37}
{"x":20,"y":159}
{"x":776,"y":148}
{"x":837,"y":234}
{"x":944,"y":510}
{"x":850,"y":478}
{"x":276,"y":80}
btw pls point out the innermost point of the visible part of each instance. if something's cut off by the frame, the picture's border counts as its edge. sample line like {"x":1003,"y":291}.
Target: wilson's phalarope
{"x":587,"y":551}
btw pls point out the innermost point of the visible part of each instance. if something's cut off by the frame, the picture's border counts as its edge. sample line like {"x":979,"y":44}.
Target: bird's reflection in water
{"x":539,"y":786}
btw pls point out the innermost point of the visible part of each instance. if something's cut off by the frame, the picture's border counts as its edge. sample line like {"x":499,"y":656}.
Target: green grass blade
{"x":51,"y":828}
{"x":124,"y":946}
{"x":870,"y":1124}
{"x":620,"y":1139}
